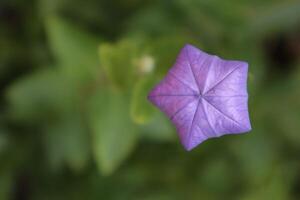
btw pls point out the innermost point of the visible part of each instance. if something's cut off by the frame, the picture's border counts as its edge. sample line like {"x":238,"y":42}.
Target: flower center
{"x":199,"y":95}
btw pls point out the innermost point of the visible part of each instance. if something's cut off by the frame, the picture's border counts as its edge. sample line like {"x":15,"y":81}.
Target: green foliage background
{"x":75,"y":122}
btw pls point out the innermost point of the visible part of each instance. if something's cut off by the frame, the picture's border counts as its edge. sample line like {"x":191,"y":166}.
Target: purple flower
{"x":204,"y":96}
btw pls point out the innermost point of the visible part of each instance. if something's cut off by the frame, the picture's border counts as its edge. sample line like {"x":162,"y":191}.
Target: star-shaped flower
{"x":204,"y":96}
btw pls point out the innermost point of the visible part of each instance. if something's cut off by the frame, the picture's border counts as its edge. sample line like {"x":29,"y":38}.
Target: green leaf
{"x":114,"y":134}
{"x":154,"y":21}
{"x":118,"y":62}
{"x":66,"y":142}
{"x":165,"y":50}
{"x":41,"y":95}
{"x":255,"y":162}
{"x":6,"y":183}
{"x":4,"y":142}
{"x":211,"y":20}
{"x":219,"y":176}
{"x":141,"y":109}
{"x":283,"y":15}
{"x":284,"y":119}
{"x":47,"y":7}
{"x":74,"y":49}
{"x":159,"y":129}
{"x":276,"y":187}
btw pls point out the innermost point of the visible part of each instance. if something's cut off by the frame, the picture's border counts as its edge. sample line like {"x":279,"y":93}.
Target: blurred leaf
{"x":47,"y":7}
{"x":214,"y":21}
{"x":154,"y":21}
{"x":6,"y":183}
{"x":114,"y":134}
{"x":66,"y":142}
{"x":74,"y":49}
{"x":285,"y":118}
{"x":141,"y":109}
{"x":257,"y":153}
{"x":157,"y":196}
{"x":117,"y":60}
{"x":40,"y":95}
{"x":274,"y":188}
{"x":159,"y":129}
{"x":165,"y":50}
{"x":218,"y":177}
{"x":279,"y":16}
{"x":3,"y":140}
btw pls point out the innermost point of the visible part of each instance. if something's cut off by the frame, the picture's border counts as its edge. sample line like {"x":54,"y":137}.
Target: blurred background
{"x":75,"y":122}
